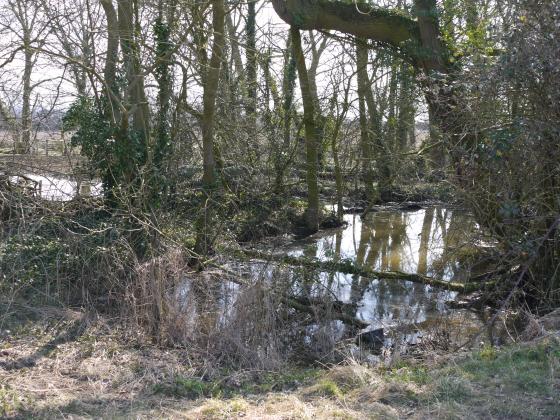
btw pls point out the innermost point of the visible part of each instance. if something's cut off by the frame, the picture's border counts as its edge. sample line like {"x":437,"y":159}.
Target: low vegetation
{"x":111,"y":374}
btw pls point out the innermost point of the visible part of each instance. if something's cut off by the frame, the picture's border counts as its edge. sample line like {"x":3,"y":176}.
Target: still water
{"x":429,"y":241}
{"x":55,"y":188}
{"x":426,"y":242}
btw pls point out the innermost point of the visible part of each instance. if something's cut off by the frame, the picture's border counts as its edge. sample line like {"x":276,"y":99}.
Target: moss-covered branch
{"x":417,"y":38}
{"x":350,"y":267}
{"x":361,"y":20}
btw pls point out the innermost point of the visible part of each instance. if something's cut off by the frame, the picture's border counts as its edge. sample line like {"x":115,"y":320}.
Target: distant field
{"x":45,"y":143}
{"x":47,"y":155}
{"x":41,"y":164}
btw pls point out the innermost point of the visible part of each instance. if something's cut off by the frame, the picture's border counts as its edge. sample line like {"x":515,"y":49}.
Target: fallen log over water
{"x":350,"y":267}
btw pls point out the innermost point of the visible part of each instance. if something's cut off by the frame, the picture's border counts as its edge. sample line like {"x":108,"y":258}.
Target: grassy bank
{"x":62,"y":363}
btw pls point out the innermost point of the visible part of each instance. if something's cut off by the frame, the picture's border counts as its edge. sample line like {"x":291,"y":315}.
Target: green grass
{"x":521,"y":381}
{"x":193,"y":388}
{"x":405,"y":372}
{"x":325,"y":388}
{"x":280,"y":381}
{"x":521,"y":369}
{"x":451,"y":388}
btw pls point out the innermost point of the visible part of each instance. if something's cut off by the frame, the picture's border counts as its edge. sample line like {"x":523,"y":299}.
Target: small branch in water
{"x":302,"y":306}
{"x":334,"y":309}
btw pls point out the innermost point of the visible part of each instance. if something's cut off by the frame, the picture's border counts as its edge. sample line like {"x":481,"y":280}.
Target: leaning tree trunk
{"x":312,"y":211}
{"x":419,"y":40}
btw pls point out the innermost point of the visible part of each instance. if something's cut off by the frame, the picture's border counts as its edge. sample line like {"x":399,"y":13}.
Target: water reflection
{"x":424,"y":241}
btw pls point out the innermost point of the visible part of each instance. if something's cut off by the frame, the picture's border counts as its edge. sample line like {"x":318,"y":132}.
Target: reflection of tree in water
{"x":453,"y":227}
{"x":335,"y":257}
{"x":357,"y":287}
{"x":424,"y":241}
{"x":380,"y":245}
{"x":385,"y":241}
{"x":310,"y":277}
{"x":385,"y":237}
{"x":398,"y":234}
{"x":421,"y":242}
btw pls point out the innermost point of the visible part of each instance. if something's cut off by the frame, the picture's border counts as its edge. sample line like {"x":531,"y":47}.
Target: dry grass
{"x":57,"y":368}
{"x":64,"y":363}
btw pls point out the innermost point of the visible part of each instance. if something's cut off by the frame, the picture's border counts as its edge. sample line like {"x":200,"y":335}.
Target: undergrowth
{"x":95,"y":372}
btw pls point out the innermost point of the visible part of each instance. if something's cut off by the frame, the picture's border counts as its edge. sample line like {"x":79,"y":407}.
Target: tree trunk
{"x":162,"y":146}
{"x":288,"y":85}
{"x":26,"y":119}
{"x":337,"y":177}
{"x":320,"y":120}
{"x":365,"y":140}
{"x":211,"y":79}
{"x":405,"y":121}
{"x":251,"y":56}
{"x":334,"y":148}
{"x":136,"y":95}
{"x":312,"y":211}
{"x":112,"y":111}
{"x":437,"y":155}
{"x":235,"y":52}
{"x":381,"y":151}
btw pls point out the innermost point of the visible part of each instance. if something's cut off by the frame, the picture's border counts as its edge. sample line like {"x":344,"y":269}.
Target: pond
{"x":431,"y":241}
{"x":56,"y":188}
{"x":425,"y":241}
